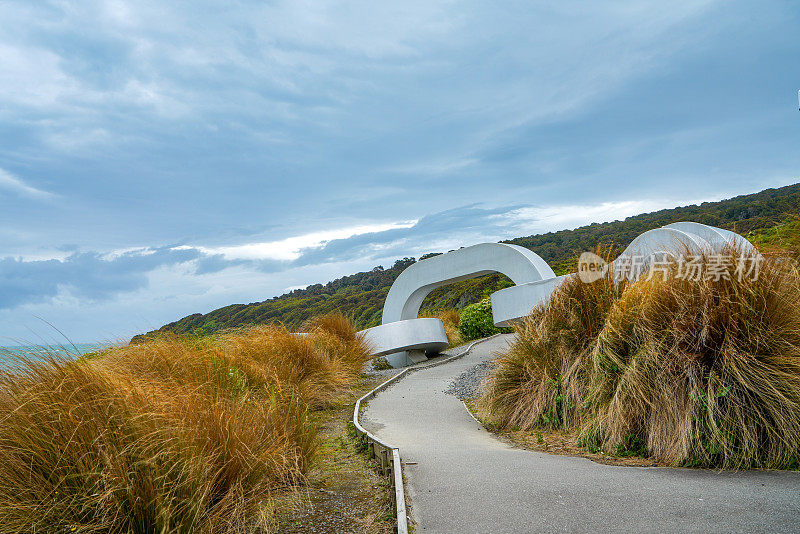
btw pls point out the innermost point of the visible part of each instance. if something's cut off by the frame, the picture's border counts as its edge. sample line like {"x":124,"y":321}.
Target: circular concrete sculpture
{"x":716,"y":237}
{"x":412,"y":286}
{"x":687,"y":238}
{"x":657,"y":244}
{"x":404,"y":338}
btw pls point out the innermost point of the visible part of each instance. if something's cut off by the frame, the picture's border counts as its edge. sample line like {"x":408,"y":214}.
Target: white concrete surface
{"x":397,"y":338}
{"x":512,"y":303}
{"x":418,"y":280}
{"x":659,"y":244}
{"x":717,"y":237}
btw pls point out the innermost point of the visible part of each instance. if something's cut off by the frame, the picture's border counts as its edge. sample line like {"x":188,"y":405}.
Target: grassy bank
{"x":172,"y":435}
{"x":695,"y":373}
{"x":450,"y":318}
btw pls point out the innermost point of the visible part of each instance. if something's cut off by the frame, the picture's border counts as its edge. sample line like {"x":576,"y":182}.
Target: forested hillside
{"x":769,"y":219}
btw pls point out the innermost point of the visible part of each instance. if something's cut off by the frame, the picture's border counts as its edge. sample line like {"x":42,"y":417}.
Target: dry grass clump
{"x":703,"y":373}
{"x":450,"y":318}
{"x":172,"y":435}
{"x":542,"y":380}
{"x":343,"y":338}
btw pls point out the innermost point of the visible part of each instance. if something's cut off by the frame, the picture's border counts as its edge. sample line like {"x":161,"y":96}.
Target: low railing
{"x":387,"y":455}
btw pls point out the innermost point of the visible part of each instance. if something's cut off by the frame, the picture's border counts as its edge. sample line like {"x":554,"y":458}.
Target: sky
{"x":159,"y":159}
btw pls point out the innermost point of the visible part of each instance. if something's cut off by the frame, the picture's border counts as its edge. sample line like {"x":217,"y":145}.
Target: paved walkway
{"x":461,"y":479}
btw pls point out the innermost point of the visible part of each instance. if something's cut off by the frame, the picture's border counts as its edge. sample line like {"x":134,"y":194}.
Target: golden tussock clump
{"x":690,"y":372}
{"x":172,"y":435}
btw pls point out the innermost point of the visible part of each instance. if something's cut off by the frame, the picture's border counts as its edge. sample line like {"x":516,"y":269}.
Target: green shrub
{"x":381,"y":364}
{"x":476,"y":321}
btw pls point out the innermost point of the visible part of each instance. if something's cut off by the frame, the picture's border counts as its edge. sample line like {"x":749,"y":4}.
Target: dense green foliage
{"x":476,"y":321}
{"x":762,"y":216}
{"x":781,"y":238}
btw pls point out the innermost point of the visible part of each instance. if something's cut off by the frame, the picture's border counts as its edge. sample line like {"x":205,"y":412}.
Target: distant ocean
{"x":32,"y":351}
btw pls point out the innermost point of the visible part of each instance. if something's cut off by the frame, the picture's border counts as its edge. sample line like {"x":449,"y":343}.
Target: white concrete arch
{"x":716,"y":237}
{"x":404,"y":338}
{"x":689,"y":238}
{"x":417,"y":281}
{"x":658,"y":244}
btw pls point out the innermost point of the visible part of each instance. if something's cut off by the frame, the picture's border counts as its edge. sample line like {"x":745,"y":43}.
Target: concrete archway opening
{"x":404,"y":338}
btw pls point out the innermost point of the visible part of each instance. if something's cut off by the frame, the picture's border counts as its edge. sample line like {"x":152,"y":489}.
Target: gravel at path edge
{"x":467,"y":385}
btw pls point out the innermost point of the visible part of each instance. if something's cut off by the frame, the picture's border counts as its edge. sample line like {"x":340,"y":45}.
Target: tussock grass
{"x":450,"y":317}
{"x":700,"y":373}
{"x":542,"y":380}
{"x":173,"y":435}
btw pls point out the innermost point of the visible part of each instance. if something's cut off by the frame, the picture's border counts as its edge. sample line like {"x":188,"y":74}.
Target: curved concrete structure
{"x":404,"y":338}
{"x":688,"y":238}
{"x":405,"y":297}
{"x":426,"y":333}
{"x":513,"y":303}
{"x":413,"y":285}
{"x":658,"y":244}
{"x":665,"y":240}
{"x":716,"y":237}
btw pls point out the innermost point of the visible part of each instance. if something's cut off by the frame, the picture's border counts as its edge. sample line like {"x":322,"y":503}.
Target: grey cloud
{"x":84,"y":274}
{"x":91,"y":276}
{"x":435,"y":226}
{"x":214,"y":263}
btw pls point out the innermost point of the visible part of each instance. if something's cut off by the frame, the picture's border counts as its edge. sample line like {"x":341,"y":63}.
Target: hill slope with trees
{"x":768,"y":218}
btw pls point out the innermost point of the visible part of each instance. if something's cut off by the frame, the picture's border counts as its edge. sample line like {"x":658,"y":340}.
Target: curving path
{"x":461,"y":479}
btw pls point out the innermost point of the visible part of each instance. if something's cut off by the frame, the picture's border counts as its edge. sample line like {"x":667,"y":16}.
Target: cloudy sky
{"x":165,"y":158}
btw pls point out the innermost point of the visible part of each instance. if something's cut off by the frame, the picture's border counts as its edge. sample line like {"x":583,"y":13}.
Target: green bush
{"x":381,"y":364}
{"x":476,"y":321}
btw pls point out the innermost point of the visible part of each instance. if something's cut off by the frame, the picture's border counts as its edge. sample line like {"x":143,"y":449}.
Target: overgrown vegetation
{"x":476,"y":321}
{"x":344,"y":491}
{"x":361,"y":295}
{"x":697,"y":373}
{"x":781,"y":239}
{"x":172,"y":435}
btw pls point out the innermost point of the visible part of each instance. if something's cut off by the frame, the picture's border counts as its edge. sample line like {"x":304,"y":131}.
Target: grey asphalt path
{"x":462,"y":479}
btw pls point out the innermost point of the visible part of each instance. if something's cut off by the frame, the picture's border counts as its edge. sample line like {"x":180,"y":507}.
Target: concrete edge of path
{"x":456,"y":356}
{"x":389,"y":455}
{"x":473,"y":415}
